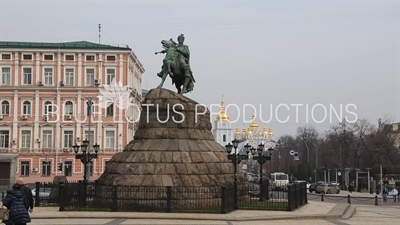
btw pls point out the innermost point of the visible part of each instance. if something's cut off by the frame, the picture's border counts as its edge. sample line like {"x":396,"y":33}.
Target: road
{"x":355,"y":198}
{"x":366,"y":215}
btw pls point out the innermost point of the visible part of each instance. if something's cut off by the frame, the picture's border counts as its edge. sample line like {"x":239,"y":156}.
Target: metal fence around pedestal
{"x":91,"y":196}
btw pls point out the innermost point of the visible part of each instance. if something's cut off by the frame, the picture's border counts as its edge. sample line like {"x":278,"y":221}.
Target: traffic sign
{"x":296,"y":156}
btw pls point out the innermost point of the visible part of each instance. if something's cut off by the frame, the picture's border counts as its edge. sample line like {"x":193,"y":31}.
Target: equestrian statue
{"x":176,"y":65}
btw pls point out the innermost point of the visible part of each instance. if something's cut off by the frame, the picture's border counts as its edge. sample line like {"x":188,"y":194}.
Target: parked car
{"x":335,"y":183}
{"x":43,"y":192}
{"x":303,"y":181}
{"x":328,"y":188}
{"x":313,"y":186}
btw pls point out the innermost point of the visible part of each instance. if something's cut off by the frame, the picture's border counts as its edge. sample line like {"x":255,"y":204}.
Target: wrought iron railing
{"x":92,"y":196}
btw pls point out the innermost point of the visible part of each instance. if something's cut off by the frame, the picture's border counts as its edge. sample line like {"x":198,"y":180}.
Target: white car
{"x":43,"y":192}
{"x":301,"y":181}
{"x":335,"y":183}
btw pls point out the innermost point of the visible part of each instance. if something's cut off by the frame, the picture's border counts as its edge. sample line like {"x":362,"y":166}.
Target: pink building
{"x":43,"y":93}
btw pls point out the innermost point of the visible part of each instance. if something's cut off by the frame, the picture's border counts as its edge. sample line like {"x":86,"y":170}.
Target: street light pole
{"x":336,"y":176}
{"x":315,"y":175}
{"x":329,"y":175}
{"x":261,"y":157}
{"x":236,"y":159}
{"x":86,"y":157}
{"x":369,"y":181}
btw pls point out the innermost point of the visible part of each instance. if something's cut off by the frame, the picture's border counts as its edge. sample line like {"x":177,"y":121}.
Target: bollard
{"x":322,"y":197}
{"x":348,"y":199}
{"x":376,"y":199}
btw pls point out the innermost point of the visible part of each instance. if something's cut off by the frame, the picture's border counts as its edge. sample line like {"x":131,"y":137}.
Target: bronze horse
{"x":172,"y":67}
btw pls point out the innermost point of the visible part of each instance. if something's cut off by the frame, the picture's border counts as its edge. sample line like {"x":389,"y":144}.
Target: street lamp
{"x":236,"y":159}
{"x":86,"y":157}
{"x":261,"y":157}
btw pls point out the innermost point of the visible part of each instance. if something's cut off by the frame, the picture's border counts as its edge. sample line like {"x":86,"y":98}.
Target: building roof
{"x":144,"y":92}
{"x":392,"y":128}
{"x":62,"y":45}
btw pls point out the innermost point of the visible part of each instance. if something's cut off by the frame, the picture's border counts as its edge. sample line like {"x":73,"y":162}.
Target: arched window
{"x":5,"y":108}
{"x":26,"y":108}
{"x":91,"y":113}
{"x":110,"y":109}
{"x":69,"y":108}
{"x":47,"y":107}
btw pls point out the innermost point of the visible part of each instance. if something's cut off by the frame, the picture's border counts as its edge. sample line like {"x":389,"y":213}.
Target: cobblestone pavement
{"x":366,"y":215}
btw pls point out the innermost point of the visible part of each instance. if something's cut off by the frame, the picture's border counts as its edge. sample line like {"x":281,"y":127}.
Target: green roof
{"x":144,"y":92}
{"x":62,"y":45}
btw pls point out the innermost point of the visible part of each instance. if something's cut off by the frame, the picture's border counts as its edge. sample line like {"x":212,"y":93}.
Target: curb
{"x":195,"y":218}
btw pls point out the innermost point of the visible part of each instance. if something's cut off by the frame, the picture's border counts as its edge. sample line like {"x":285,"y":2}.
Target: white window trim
{"x":52,"y":137}
{"x":65,"y":57}
{"x":92,"y":129}
{"x":65,"y":75}
{"x":20,"y":160}
{"x":43,"y":105}
{"x":95,"y":107}
{"x":94,"y":75}
{"x":27,"y":53}
{"x":20,"y":138}
{"x":1,"y":74}
{"x":46,"y":60}
{"x":9,"y":106}
{"x":114,"y":111}
{"x":103,"y":164}
{"x":63,"y":136}
{"x":105,"y":137}
{"x":52,"y":167}
{"x":22,"y":106}
{"x":90,"y":60}
{"x":106,"y":74}
{"x":115,"y":55}
{"x":52,"y":75}
{"x":73,"y":160}
{"x":22,"y":77}
{"x":73,"y":106}
{"x":6,"y":53}
{"x":9,"y":137}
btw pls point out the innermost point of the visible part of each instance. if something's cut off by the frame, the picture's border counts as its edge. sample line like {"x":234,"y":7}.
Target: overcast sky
{"x":251,"y":52}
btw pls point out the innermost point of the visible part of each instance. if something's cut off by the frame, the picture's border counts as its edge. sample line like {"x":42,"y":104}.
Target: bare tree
{"x":362,"y":128}
{"x":342,"y":139}
{"x":378,"y":145}
{"x":308,"y":135}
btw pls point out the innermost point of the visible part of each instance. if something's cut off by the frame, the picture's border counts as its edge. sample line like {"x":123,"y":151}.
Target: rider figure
{"x":184,"y":55}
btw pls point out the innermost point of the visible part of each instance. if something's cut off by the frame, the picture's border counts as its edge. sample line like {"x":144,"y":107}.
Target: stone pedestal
{"x":173,"y":146}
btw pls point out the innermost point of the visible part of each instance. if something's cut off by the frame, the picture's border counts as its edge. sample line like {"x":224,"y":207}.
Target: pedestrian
{"x":385,"y":192}
{"x":28,"y":195}
{"x":395,"y":193}
{"x":398,"y":195}
{"x":15,"y":203}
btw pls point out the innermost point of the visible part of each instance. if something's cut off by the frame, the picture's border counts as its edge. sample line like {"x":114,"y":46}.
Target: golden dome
{"x":265,"y":132}
{"x":244,"y":132}
{"x":270,"y":133}
{"x":253,"y":124}
{"x":249,"y":131}
{"x":222,"y":114}
{"x":237,"y":132}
